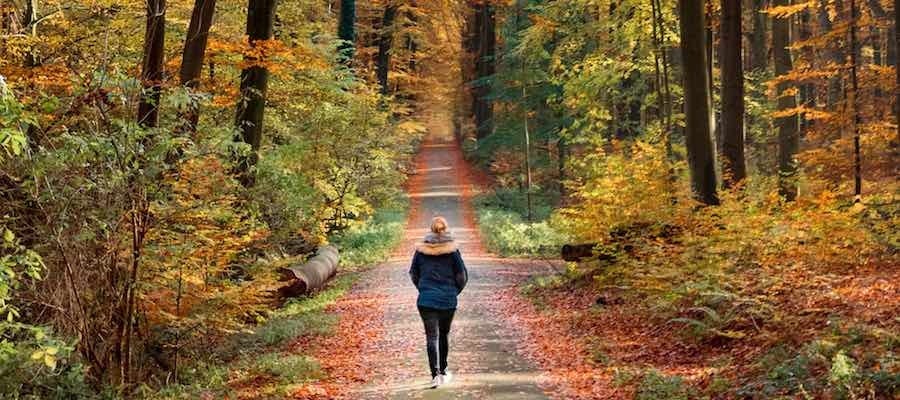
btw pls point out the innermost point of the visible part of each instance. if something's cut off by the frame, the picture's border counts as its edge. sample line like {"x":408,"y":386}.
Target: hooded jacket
{"x":438,"y":272}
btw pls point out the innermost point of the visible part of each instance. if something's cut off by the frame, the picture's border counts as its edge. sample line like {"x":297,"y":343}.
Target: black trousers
{"x":437,"y":327}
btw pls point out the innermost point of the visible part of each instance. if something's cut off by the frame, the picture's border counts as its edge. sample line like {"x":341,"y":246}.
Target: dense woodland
{"x":731,"y":165}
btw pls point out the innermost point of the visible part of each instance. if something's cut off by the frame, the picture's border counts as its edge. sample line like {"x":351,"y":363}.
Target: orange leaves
{"x":346,"y":355}
{"x":789,"y":10}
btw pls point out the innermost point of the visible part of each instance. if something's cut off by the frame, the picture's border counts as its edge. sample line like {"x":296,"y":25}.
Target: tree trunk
{"x":254,"y":83}
{"x":758,"y":52}
{"x":788,"y":126}
{"x":733,"y":165}
{"x":562,"y":158}
{"x":152,"y":65}
{"x":311,"y":275}
{"x":32,"y":59}
{"x":193,"y":54}
{"x":833,"y":54}
{"x":385,"y":41}
{"x":854,"y":103}
{"x":347,"y":32}
{"x":486,"y":42}
{"x":698,"y":135}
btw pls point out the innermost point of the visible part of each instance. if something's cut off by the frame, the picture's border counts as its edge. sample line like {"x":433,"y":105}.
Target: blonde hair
{"x":438,"y":225}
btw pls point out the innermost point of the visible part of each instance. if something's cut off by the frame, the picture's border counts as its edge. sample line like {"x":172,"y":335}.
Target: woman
{"x":440,"y":275}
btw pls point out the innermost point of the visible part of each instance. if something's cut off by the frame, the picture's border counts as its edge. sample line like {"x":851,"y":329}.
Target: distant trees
{"x":698,"y":132}
{"x":483,"y":44}
{"x":254,"y":84}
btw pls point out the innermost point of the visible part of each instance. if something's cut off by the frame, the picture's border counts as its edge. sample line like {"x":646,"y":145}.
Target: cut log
{"x":311,"y":275}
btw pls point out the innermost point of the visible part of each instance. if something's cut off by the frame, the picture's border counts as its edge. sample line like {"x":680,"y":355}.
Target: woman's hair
{"x":438,"y":225}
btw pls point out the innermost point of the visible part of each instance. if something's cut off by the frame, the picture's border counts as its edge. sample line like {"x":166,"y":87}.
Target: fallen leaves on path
{"x":342,"y":356}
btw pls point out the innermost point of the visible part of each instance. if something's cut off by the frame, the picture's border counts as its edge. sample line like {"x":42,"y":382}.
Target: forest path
{"x":483,"y":354}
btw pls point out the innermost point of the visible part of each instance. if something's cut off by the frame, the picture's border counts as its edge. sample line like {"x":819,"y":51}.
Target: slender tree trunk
{"x":788,"y":126}
{"x":733,"y":165}
{"x":698,"y":135}
{"x":385,"y":41}
{"x":561,"y":165}
{"x":347,"y":32}
{"x":833,"y":54}
{"x":759,"y":54}
{"x":194,"y":53}
{"x":527,"y":150}
{"x":254,"y":83}
{"x":662,"y":40}
{"x":484,"y":68}
{"x":32,"y":58}
{"x":854,"y":103}
{"x":807,"y":89}
{"x":152,"y":66}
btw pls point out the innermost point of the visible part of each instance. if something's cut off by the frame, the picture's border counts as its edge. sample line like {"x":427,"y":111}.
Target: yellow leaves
{"x":47,"y":356}
{"x":412,"y":127}
{"x":789,"y":10}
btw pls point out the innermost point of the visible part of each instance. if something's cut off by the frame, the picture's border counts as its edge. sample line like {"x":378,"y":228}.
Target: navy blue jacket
{"x":439,"y":273}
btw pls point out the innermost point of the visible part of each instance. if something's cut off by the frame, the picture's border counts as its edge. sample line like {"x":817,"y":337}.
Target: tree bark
{"x":833,"y":54}
{"x":194,"y":53}
{"x":347,"y":32}
{"x":385,"y":42}
{"x":311,"y":275}
{"x":733,"y":164}
{"x":32,"y":59}
{"x":758,"y":52}
{"x":254,"y":84}
{"x":152,"y":65}
{"x":788,"y":126}
{"x":854,"y":87}
{"x":486,"y":42}
{"x":698,"y":135}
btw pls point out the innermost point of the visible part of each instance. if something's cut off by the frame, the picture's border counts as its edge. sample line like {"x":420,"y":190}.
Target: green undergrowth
{"x":506,"y":231}
{"x":372,"y":242}
{"x":262,"y":353}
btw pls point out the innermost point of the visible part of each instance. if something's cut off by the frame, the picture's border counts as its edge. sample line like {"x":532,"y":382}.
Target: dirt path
{"x":390,"y":361}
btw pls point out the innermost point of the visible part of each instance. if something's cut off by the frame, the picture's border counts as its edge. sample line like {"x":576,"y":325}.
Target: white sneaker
{"x":446,"y":377}
{"x":436,"y":381}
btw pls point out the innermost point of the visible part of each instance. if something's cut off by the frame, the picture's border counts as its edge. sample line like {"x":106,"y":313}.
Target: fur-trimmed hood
{"x":437,"y":244}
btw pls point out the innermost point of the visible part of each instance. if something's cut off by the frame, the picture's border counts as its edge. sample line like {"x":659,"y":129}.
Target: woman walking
{"x":438,"y":272}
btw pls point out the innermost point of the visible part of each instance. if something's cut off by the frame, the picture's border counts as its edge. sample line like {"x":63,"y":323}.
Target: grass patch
{"x":506,"y":232}
{"x":657,"y":386}
{"x":287,"y":368}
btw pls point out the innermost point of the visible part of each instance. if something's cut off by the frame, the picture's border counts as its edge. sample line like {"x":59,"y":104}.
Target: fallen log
{"x":311,"y":275}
